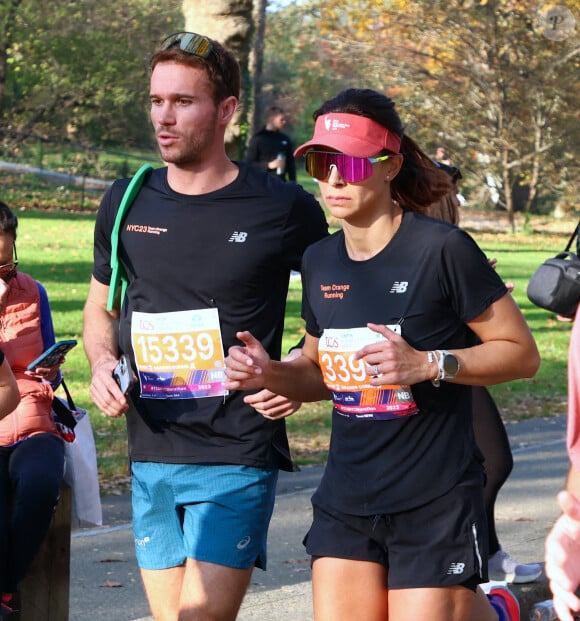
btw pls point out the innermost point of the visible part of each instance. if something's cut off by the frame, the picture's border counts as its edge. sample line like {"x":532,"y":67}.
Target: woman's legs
{"x":36,"y":470}
{"x":344,"y":590}
{"x":4,"y":517}
{"x":492,"y":440}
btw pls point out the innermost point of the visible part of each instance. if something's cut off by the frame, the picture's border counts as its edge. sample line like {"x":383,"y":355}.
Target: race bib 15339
{"x":179,"y":355}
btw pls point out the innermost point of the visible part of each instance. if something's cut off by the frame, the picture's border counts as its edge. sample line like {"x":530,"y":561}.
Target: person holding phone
{"x":31,"y":449}
{"x":399,"y":513}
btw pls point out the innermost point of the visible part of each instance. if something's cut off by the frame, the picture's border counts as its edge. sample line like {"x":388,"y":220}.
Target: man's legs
{"x":163,"y":589}
{"x":197,"y":591}
{"x":199,"y":532}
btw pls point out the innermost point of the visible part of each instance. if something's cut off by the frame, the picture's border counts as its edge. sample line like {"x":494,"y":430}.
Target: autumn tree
{"x":230,"y":22}
{"x":482,"y":77}
{"x":301,"y":68}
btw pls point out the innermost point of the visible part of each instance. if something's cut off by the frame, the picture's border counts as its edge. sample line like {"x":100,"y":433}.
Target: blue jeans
{"x":31,"y":474}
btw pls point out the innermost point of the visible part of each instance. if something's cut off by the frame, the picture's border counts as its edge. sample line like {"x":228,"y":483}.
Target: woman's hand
{"x":48,"y":374}
{"x":563,"y":557}
{"x":394,"y":361}
{"x":246,"y":365}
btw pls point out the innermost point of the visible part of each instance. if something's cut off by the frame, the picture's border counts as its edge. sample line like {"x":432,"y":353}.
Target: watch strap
{"x":439,"y":355}
{"x":434,"y":356}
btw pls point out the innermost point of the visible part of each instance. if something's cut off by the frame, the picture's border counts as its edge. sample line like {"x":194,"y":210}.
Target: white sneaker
{"x":501,"y":566}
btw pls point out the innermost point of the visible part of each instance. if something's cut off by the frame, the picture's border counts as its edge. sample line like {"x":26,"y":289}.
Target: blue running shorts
{"x":217,"y":513}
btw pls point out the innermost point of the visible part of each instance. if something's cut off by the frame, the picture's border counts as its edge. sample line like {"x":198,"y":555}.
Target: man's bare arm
{"x":101,"y":343}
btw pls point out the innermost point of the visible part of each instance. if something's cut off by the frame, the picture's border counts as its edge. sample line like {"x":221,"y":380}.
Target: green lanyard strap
{"x":119,"y":276}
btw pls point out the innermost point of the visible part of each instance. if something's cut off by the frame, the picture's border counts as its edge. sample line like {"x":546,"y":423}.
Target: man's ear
{"x":227,"y":109}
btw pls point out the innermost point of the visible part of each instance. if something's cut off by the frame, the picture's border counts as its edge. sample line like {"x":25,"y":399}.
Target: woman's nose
{"x":334,"y":177}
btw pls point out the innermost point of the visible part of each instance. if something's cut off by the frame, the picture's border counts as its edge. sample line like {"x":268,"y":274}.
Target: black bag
{"x":66,"y":414}
{"x":555,"y":285}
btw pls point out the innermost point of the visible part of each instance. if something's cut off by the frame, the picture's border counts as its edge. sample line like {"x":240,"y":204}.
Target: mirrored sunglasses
{"x":350,"y":168}
{"x":196,"y":45}
{"x":189,"y":42}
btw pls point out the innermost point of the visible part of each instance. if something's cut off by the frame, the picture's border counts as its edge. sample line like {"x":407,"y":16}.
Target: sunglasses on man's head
{"x":194,"y":44}
{"x":189,"y":42}
{"x":350,"y":168}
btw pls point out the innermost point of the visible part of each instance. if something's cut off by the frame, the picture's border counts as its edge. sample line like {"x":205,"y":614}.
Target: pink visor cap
{"x":351,"y":134}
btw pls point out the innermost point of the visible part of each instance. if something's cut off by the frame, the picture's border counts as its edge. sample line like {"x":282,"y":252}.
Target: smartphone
{"x":123,"y":374}
{"x":52,"y":355}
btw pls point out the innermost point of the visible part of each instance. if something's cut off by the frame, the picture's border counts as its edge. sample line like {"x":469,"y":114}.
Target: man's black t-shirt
{"x":432,"y":279}
{"x":232,"y":249}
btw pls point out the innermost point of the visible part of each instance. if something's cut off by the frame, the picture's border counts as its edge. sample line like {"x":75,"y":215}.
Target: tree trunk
{"x":507,"y":187}
{"x":256,"y":68}
{"x":230,"y":22}
{"x":535,"y":175}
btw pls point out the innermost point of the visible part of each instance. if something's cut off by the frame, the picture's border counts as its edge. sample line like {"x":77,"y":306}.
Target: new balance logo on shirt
{"x":399,"y":286}
{"x":238,"y":237}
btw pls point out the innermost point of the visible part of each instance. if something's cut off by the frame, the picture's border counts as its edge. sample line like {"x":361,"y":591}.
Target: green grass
{"x":56,"y":248}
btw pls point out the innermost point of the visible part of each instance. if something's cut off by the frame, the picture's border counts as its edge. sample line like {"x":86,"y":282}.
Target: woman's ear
{"x":394,"y":164}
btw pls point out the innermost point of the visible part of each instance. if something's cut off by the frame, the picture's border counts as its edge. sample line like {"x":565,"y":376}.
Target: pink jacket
{"x":21,"y":341}
{"x":574,"y":393}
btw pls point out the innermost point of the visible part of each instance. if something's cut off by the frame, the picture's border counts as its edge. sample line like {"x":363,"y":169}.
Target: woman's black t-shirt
{"x":432,"y":279}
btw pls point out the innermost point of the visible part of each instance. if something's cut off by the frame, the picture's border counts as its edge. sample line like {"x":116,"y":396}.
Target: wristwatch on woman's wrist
{"x":447,"y":365}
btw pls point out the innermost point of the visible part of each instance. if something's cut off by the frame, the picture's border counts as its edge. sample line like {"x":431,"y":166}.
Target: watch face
{"x":450,"y":365}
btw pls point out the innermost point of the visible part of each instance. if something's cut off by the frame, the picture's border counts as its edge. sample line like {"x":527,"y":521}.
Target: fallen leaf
{"x":111,"y":584}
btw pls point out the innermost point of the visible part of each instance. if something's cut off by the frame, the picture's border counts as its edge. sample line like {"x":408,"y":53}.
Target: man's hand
{"x":104,"y":390}
{"x":563,"y":557}
{"x":271,"y":405}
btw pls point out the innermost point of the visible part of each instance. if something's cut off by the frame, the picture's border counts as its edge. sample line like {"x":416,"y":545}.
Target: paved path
{"x":74,"y":180}
{"x":105,"y":582}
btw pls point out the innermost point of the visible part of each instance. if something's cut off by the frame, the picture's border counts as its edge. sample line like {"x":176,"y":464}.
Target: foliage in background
{"x":485,"y":77}
{"x":77,"y":70}
{"x":482,"y":78}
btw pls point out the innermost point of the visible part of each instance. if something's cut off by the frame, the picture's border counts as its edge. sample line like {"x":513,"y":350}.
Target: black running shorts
{"x":442,"y":543}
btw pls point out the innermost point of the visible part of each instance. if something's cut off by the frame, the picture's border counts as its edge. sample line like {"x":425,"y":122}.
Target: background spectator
{"x":272,"y":150}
